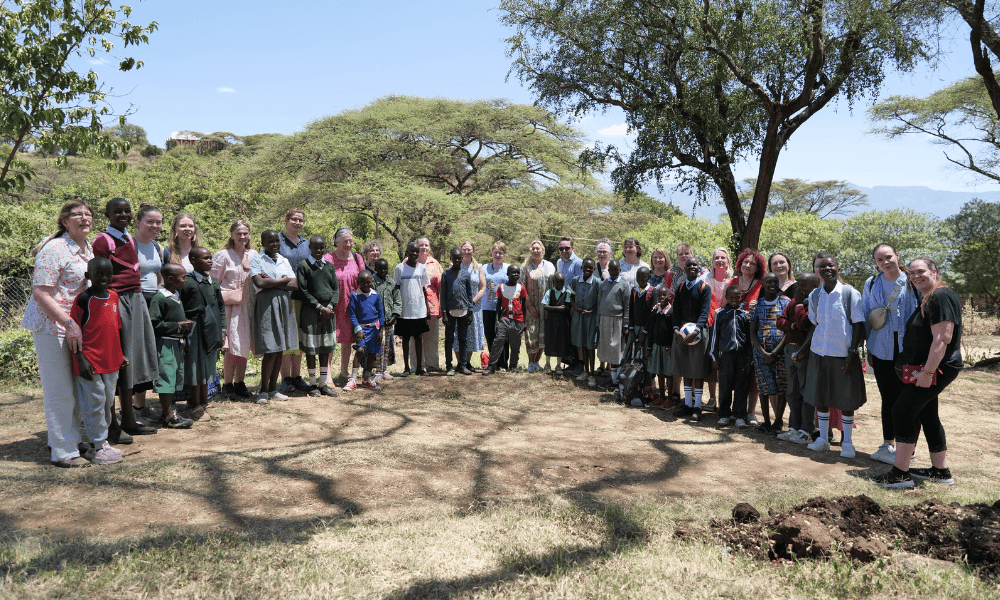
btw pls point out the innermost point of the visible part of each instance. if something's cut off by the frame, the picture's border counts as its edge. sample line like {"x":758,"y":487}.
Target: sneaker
{"x":582,"y":376}
{"x":696,"y":414}
{"x":175,"y":421}
{"x":592,"y":381}
{"x":934,"y":474}
{"x":241,"y":390}
{"x":300,"y":384}
{"x":148,"y":413}
{"x":352,"y":384}
{"x":786,"y":435}
{"x":489,"y":371}
{"x":752,"y":420}
{"x":847,"y":450}
{"x":261,"y":398}
{"x":286,"y":385}
{"x":741,"y":423}
{"x":723,"y":422}
{"x":314,"y":392}
{"x":106,"y":456}
{"x":886,"y":453}
{"x":465,"y":371}
{"x":893,"y":478}
{"x":800,"y":437}
{"x":711,"y":406}
{"x":532,"y":367}
{"x":819,"y":444}
{"x":369,"y":383}
{"x":277,"y":396}
{"x":326,"y":390}
{"x":451,"y":372}
{"x":228,"y":390}
{"x":386,"y":375}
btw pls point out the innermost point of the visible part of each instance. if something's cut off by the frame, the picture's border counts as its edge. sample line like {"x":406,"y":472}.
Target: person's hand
{"x":390,"y":322}
{"x":86,"y":369}
{"x":687,"y":339}
{"x":358,"y":337}
{"x":74,"y":337}
{"x":124,"y":361}
{"x":185,"y":325}
{"x":797,"y":357}
{"x":677,"y":334}
{"x":648,"y":354}
{"x":924,"y":379}
{"x":444,"y":319}
{"x":851,"y":364}
{"x":769,"y":358}
{"x":752,"y":304}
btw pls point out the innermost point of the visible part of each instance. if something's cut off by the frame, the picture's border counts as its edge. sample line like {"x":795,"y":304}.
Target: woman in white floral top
{"x":60,"y":276}
{"x":535,"y":275}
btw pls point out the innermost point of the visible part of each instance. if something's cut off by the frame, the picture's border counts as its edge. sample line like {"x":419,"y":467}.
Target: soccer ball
{"x":689,"y":328}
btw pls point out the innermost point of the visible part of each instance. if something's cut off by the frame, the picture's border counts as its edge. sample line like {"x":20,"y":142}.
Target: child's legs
{"x":406,"y":351}
{"x":199,"y":395}
{"x":741,"y":384}
{"x":345,"y":360}
{"x":726,"y":380}
{"x":228,"y":368}
{"x":449,"y":339}
{"x":271,"y":362}
{"x":712,"y":380}
{"x":167,"y":404}
{"x":93,"y":398}
{"x":311,"y":361}
{"x":369,"y":364}
{"x":418,"y":349}
{"x":463,"y":339}
{"x":515,"y":329}
{"x":778,"y":404}
{"x":324,"y":373}
{"x":661,"y":381}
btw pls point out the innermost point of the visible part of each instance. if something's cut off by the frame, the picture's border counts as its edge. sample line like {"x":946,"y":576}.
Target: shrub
{"x":151,"y":151}
{"x":17,"y":354}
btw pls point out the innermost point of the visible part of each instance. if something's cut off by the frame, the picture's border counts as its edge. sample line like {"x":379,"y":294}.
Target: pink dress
{"x":347,"y":280}
{"x":232,"y":272}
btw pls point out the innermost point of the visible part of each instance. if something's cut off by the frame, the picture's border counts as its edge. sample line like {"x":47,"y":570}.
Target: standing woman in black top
{"x":932,"y":341}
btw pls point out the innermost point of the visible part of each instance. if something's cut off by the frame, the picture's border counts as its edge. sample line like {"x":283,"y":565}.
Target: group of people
{"x":123,"y":315}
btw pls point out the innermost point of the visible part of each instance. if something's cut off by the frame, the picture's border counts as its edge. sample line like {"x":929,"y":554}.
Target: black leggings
{"x":917,"y":407}
{"x":890,"y":386}
{"x":490,"y":329}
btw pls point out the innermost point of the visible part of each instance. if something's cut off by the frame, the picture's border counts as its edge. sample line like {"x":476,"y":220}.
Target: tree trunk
{"x":769,"y":152}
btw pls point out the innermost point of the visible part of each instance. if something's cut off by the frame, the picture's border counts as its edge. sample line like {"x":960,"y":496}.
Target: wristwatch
{"x":68,"y":322}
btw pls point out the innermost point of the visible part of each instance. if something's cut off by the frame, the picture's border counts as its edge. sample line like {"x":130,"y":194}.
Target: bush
{"x":151,"y":151}
{"x":17,"y":355}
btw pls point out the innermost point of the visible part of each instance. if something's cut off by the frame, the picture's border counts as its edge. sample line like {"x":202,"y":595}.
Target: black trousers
{"x":734,"y":383}
{"x":917,"y":407}
{"x":462,"y":325}
{"x":490,"y":327}
{"x":889,"y":387}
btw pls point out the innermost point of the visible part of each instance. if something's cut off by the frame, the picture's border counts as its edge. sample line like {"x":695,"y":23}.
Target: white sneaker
{"x":723,"y":422}
{"x":752,"y":420}
{"x":278,"y":396}
{"x":886,"y":453}
{"x":592,"y":382}
{"x":262,"y":398}
{"x":742,"y":424}
{"x":847,"y":450}
{"x":785,"y":435}
{"x":352,"y":384}
{"x":820,"y":444}
{"x":800,"y":437}
{"x":386,"y":375}
{"x":582,"y":376}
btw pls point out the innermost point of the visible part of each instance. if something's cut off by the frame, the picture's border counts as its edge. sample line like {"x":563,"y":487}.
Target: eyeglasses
{"x":81,"y":215}
{"x":603,"y":252}
{"x":565,"y":248}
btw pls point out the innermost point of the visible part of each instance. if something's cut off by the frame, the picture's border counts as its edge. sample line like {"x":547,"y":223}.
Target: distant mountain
{"x":921,"y":198}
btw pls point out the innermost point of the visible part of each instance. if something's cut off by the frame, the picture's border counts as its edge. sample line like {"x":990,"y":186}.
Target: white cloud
{"x":620,"y":129}
{"x":95,"y":61}
{"x":225,"y":90}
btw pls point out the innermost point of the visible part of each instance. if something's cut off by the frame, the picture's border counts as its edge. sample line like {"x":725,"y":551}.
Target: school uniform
{"x":100,"y":322}
{"x":367,"y":315}
{"x":411,"y":282}
{"x":612,"y":315}
{"x":640,"y":305}
{"x":201,"y":297}
{"x":557,"y":324}
{"x":833,"y":315}
{"x":165,"y":312}
{"x":275,"y":329}
{"x":318,"y":287}
{"x":659,"y":340}
{"x":692,"y":303}
{"x":730,"y":346}
{"x":794,"y":322}
{"x":583,"y":328}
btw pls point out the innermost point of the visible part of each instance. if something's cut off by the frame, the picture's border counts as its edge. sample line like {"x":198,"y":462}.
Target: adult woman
{"x":536,"y":273}
{"x":493,"y":276}
{"x":348,"y":264}
{"x":60,"y":269}
{"x":474,"y":341}
{"x":887,"y":294}
{"x":183,"y":237}
{"x":630,"y":263}
{"x":231,"y":266}
{"x":779,"y":264}
{"x":371,"y":251}
{"x":718,"y":280}
{"x":660,"y":267}
{"x":751,"y":272}
{"x":149,"y":224}
{"x":675,"y":276}
{"x":432,"y":361}
{"x":294,"y":246}
{"x":603,"y":258}
{"x":931,"y":358}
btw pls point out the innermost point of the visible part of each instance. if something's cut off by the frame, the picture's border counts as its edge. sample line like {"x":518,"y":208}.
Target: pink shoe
{"x":370,"y":383}
{"x":352,"y":384}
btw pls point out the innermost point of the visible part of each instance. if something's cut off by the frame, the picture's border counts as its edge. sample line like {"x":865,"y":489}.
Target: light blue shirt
{"x":494,"y":279}
{"x":832,"y":336}
{"x":274,"y":269}
{"x":880,"y":341}
{"x":571,"y":269}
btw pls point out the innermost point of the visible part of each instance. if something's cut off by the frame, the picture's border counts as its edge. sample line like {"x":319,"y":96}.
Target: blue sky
{"x":260,"y":67}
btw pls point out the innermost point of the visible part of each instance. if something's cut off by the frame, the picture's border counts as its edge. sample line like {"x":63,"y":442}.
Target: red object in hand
{"x":484,"y":359}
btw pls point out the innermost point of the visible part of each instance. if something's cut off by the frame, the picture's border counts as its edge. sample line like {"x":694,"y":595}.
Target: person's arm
{"x":857,"y":336}
{"x":706,"y":305}
{"x":220,"y":306}
{"x":754,"y":341}
{"x":427,"y":304}
{"x":219,"y":265}
{"x":785,"y":321}
{"x":43,"y":297}
{"x":482,"y":286}
{"x":353,"y":307}
{"x":444,"y":297}
{"x":942,"y":333}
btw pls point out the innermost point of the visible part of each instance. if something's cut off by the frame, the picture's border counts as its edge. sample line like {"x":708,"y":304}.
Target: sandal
{"x":139,"y":428}
{"x":77,"y":462}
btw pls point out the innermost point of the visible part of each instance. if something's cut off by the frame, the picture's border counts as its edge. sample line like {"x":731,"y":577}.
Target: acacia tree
{"x":976,"y":231}
{"x":707,"y":83}
{"x":43,"y":100}
{"x":984,"y":40}
{"x":820,"y":198}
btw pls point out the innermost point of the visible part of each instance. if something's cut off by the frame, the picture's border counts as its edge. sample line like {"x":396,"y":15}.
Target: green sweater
{"x":318,"y":284}
{"x":165,"y":312}
{"x":391,"y":300}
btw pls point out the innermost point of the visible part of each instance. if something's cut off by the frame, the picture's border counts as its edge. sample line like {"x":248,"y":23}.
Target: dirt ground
{"x":430,"y":441}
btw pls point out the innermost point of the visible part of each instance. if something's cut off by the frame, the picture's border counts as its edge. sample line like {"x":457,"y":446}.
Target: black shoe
{"x":893,"y":479}
{"x":174,"y":421}
{"x":711,"y":406}
{"x":138,"y":428}
{"x":241,"y":391}
{"x":683,"y":410}
{"x":117,"y":436}
{"x":326,"y":390}
{"x":228,"y":390}
{"x":489,"y":370}
{"x":696,"y":415}
{"x":934,"y":474}
{"x":147,"y":413}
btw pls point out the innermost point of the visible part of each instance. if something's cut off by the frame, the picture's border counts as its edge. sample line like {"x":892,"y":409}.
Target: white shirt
{"x":273,"y":268}
{"x":411,"y":282}
{"x":833,"y":333}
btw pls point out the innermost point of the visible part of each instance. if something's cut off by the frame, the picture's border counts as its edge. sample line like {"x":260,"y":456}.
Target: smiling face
{"x":345,"y":243}
{"x":771,"y":286}
{"x":151,"y":224}
{"x":720,"y":260}
{"x":99,"y":273}
{"x":79,"y":222}
{"x":468,"y":251}
{"x":663,"y":296}
{"x":748,"y":267}
{"x":692,"y":269}
{"x":588,"y":268}
{"x":923,"y":276}
{"x":317,"y":247}
{"x":630,"y":250}
{"x":779,"y":265}
{"x":887,"y":260}
{"x":294,"y":223}
{"x":365,"y":282}
{"x":185,"y":228}
{"x":424,"y":245}
{"x":603,"y":253}
{"x":241,"y":236}
{"x":683,"y":254}
{"x":373,"y":253}
{"x":270,"y":242}
{"x":382,"y":268}
{"x":565,"y":249}
{"x":659,"y":261}
{"x":733,"y":297}
{"x":537,"y":250}
{"x":412,"y":253}
{"x":828,"y":271}
{"x":119,"y":214}
{"x":497,"y":253}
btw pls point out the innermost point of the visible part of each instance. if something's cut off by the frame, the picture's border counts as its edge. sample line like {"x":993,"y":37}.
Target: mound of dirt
{"x":864,"y":530}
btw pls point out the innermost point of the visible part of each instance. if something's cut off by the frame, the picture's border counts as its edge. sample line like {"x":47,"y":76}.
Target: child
{"x":457,"y":291}
{"x":367,"y":315}
{"x":730,"y":351}
{"x":171,"y":327}
{"x":642,"y":299}
{"x":412,"y":279}
{"x":613,"y":300}
{"x":583,"y":325}
{"x":511,"y":298}
{"x":96,"y":363}
{"x":275,"y":330}
{"x":392,"y":305}
{"x":318,"y":288}
{"x":768,"y":344}
{"x":659,"y":339}
{"x":796,"y":325}
{"x":691,"y":305}
{"x":557,"y":303}
{"x":203,"y":304}
{"x":834,"y":378}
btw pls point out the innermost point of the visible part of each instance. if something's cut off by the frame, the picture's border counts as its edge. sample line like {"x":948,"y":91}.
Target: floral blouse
{"x":62,"y":265}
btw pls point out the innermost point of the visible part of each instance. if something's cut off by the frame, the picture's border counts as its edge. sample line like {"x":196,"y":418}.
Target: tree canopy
{"x":976,"y":232}
{"x":821,"y":198}
{"x":43,"y":101}
{"x":705,"y":84}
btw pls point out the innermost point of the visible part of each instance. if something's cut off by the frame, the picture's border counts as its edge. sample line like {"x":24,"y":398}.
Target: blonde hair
{"x":173,"y":245}
{"x":662,"y":252}
{"x":64,"y":213}
{"x":475,"y":265}
{"x":498,"y":244}
{"x":231,"y":243}
{"x":526,"y":265}
{"x":729,"y":259}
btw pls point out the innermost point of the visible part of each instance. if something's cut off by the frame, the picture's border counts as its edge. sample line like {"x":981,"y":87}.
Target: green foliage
{"x":45,"y":102}
{"x":912,"y":233}
{"x":17,"y":354}
{"x":707,"y":84}
{"x":130,"y":133}
{"x":822,"y":198}
{"x":976,"y":232}
{"x":960,"y":116}
{"x":801,"y":235}
{"x":150,"y":151}
{"x":21,"y":228}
